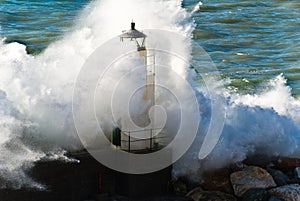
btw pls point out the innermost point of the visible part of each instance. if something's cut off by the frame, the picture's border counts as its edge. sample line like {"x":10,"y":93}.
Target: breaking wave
{"x":36,"y":97}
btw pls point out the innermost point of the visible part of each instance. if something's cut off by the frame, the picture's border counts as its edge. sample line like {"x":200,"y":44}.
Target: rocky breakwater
{"x":275,"y":179}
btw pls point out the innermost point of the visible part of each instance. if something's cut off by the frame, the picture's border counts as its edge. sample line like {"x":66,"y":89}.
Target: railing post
{"x":129,"y":141}
{"x":150,"y":139}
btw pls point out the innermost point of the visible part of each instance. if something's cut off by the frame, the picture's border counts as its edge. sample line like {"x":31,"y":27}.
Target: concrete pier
{"x":87,"y":180}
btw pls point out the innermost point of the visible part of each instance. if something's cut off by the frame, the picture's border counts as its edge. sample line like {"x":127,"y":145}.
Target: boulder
{"x":255,"y":195}
{"x":154,"y":198}
{"x":274,"y":198}
{"x":297,"y":172}
{"x":217,"y":180}
{"x":158,"y":198}
{"x":238,"y":166}
{"x":279,"y":177}
{"x":194,"y":193}
{"x":287,"y":193}
{"x":250,"y":177}
{"x":179,"y":187}
{"x":198,"y":194}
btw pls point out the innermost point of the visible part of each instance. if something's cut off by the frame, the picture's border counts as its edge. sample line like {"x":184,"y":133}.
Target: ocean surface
{"x":255,"y":46}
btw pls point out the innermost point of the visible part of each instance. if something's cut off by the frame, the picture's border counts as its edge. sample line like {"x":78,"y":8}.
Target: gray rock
{"x":179,"y":187}
{"x":238,"y":166}
{"x":279,"y":177}
{"x":274,"y":198}
{"x":217,"y":180}
{"x":250,"y":177}
{"x":255,"y":195}
{"x":297,"y":172}
{"x":194,"y":193}
{"x":198,"y":194}
{"x":287,"y":193}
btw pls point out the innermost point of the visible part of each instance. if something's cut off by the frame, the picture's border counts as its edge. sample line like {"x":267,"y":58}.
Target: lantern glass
{"x":140,"y":43}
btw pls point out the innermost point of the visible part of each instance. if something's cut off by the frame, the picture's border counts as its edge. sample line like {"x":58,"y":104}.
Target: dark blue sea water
{"x":37,"y":23}
{"x":252,"y":40}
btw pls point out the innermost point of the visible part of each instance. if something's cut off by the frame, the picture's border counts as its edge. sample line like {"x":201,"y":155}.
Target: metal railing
{"x":152,"y":139}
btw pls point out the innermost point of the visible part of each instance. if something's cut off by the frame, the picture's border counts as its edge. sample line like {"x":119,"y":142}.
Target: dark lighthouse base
{"x":88,"y":180}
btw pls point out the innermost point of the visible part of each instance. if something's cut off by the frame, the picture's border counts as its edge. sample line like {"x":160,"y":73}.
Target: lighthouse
{"x":128,"y":142}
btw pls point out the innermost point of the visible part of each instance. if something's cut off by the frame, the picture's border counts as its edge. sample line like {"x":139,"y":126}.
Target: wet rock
{"x":237,"y":166}
{"x":279,"y":177}
{"x":218,"y":180}
{"x":274,"y":198}
{"x":287,"y":193}
{"x":193,"y":193}
{"x":198,"y":194}
{"x":251,"y":177}
{"x":255,"y":195}
{"x":287,"y":164}
{"x":297,"y":172}
{"x":155,"y":198}
{"x":164,"y":198}
{"x":179,"y":187}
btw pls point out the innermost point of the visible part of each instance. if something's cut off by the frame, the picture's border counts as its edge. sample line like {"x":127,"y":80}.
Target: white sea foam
{"x":197,"y":7}
{"x":266,"y":123}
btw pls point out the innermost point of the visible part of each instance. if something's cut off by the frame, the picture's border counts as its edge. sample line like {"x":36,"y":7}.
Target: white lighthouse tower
{"x":127,"y":141}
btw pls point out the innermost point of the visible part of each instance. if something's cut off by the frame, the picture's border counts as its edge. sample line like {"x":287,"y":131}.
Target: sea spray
{"x":265,"y":124}
{"x":39,"y":88}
